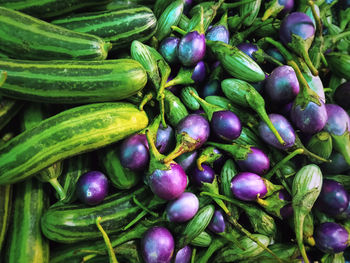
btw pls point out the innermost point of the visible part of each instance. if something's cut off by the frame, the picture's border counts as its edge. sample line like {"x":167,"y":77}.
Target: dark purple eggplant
{"x":92,"y":188}
{"x":165,"y":140}
{"x":187,"y":160}
{"x":157,"y":245}
{"x":191,"y":133}
{"x":331,"y":237}
{"x":182,"y":208}
{"x":217,"y":223}
{"x":257,"y":162}
{"x":206,"y":175}
{"x":282,"y":85}
{"x":342,"y":95}
{"x":333,"y":198}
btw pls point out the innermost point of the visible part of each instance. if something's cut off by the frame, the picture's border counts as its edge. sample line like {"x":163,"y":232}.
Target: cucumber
{"x":26,"y":37}
{"x":76,"y":222}
{"x":72,"y":81}
{"x":119,"y":26}
{"x":5,"y":211}
{"x":25,"y":241}
{"x":49,"y":8}
{"x":71,"y":132}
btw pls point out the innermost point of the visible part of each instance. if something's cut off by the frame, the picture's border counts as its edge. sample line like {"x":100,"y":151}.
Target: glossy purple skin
{"x":337,"y":166}
{"x":165,"y":139}
{"x":183,"y":255}
{"x":217,"y":223}
{"x":92,"y":187}
{"x":283,"y":127}
{"x":182,"y":208}
{"x":257,"y":162}
{"x":168,"y":49}
{"x":342,"y":95}
{"x":288,"y":6}
{"x":157,"y":245}
{"x":196,"y":126}
{"x":248,"y":49}
{"x":345,"y":215}
{"x":297,"y":23}
{"x":168,"y":184}
{"x":199,"y":72}
{"x":191,"y":48}
{"x":338,"y":120}
{"x":331,"y":237}
{"x":134,"y":152}
{"x":187,"y":160}
{"x":218,"y":33}
{"x":226,"y":125}
{"x":287,"y":210}
{"x":310,"y":120}
{"x":282,"y":85}
{"x":207,"y":175}
{"x":333,"y":198}
{"x":247,"y":186}
{"x":211,"y":88}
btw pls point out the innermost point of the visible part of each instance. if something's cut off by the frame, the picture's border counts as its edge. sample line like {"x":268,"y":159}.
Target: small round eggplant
{"x":183,"y":255}
{"x":282,"y":85}
{"x":187,"y":160}
{"x":165,"y":139}
{"x":333,"y":198}
{"x":92,"y":187}
{"x":217,"y":223}
{"x":207,"y":175}
{"x":183,"y":208}
{"x":218,"y":33}
{"x":191,"y":48}
{"x":257,"y":162}
{"x":134,"y":153}
{"x":247,"y":186}
{"x":157,"y":245}
{"x":168,"y":49}
{"x":338,"y":120}
{"x":342,"y":95}
{"x":248,"y":49}
{"x":226,"y":125}
{"x":199,"y":72}
{"x":331,"y":237}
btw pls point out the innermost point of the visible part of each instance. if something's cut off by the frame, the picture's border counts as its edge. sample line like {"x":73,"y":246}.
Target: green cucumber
{"x":8,"y":109}
{"x":73,"y":168}
{"x":26,"y":37}
{"x":5,"y":211}
{"x":49,"y":8}
{"x":71,"y":132}
{"x":190,"y":102}
{"x":76,"y":222}
{"x":119,"y":26}
{"x":26,"y":242}
{"x":72,"y":81}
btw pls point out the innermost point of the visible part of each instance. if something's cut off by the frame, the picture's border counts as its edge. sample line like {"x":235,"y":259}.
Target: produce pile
{"x":174,"y":131}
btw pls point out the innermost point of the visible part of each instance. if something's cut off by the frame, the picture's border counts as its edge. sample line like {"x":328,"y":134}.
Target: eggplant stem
{"x":135,"y":220}
{"x":59,"y":189}
{"x":193,"y":256}
{"x":145,"y":100}
{"x":112,"y":257}
{"x":282,"y":162}
{"x":178,"y":30}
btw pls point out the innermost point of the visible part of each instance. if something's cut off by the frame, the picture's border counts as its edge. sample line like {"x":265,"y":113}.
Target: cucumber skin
{"x":71,"y":132}
{"x":119,"y":26}
{"x":26,"y":37}
{"x":72,"y":81}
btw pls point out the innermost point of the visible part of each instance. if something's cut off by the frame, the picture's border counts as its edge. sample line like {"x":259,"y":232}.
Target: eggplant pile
{"x":232,"y":144}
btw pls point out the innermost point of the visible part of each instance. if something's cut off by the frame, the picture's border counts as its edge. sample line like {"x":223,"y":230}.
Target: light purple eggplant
{"x":183,"y":255}
{"x":182,"y":208}
{"x":331,"y":237}
{"x":257,"y":162}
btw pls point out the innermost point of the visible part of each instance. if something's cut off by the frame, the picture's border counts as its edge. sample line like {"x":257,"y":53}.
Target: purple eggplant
{"x":248,"y":49}
{"x":217,"y":223}
{"x":134,"y":153}
{"x":168,"y":49}
{"x":333,"y":198}
{"x":207,"y":175}
{"x":338,"y":165}
{"x":165,"y":140}
{"x":167,"y":180}
{"x":278,"y":7}
{"x":283,"y":127}
{"x":282,"y":85}
{"x":157,"y":245}
{"x":191,"y":48}
{"x":287,"y":210}
{"x":257,"y":162}
{"x":248,"y":186}
{"x":189,"y":75}
{"x":191,"y":133}
{"x":219,"y":31}
{"x":297,"y":31}
{"x":337,"y":125}
{"x":183,"y":208}
{"x":92,"y":188}
{"x":331,"y":237}
{"x":342,"y":95}
{"x":183,"y":255}
{"x":187,"y":160}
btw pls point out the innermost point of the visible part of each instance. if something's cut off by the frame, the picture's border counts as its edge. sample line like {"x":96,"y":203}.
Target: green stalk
{"x":3,"y":77}
{"x":112,"y":257}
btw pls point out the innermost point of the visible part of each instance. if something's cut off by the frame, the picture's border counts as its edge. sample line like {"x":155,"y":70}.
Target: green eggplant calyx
{"x":273,"y":9}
